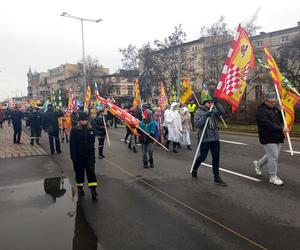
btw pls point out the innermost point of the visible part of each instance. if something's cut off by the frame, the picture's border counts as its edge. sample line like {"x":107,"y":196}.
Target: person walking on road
{"x":173,"y":122}
{"x":271,"y":136}
{"x":148,"y":125}
{"x":100,"y":131}
{"x":82,"y":151}
{"x":16,"y":118}
{"x":211,"y":136}
{"x":1,"y":117}
{"x":35,"y":124}
{"x":50,"y":125}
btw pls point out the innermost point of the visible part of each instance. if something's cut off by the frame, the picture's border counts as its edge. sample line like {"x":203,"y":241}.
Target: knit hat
{"x":270,"y":95}
{"x":83,"y":116}
{"x":205,"y":99}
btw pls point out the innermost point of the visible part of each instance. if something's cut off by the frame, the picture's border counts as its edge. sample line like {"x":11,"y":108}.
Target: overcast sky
{"x":32,"y":32}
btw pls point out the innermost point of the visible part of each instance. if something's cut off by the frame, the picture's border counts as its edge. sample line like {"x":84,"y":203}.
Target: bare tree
{"x":250,"y":25}
{"x":130,"y":57}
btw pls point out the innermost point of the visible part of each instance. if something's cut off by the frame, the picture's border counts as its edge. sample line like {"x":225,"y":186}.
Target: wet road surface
{"x":160,"y":208}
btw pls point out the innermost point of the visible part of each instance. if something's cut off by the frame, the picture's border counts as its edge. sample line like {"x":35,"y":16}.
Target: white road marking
{"x":295,"y":152}
{"x":234,"y":142}
{"x":234,"y":173}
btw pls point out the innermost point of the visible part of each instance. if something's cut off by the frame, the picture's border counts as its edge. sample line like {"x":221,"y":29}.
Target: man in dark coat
{"x":50,"y":125}
{"x":16,"y":118}
{"x":271,"y":136}
{"x":82,"y":151}
{"x":35,"y":124}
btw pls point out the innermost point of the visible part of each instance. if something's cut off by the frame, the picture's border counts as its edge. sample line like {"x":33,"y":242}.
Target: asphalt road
{"x":164,"y":208}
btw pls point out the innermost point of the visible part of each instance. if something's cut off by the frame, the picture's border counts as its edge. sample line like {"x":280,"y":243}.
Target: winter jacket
{"x":212,"y":130}
{"x":82,"y":148}
{"x":269,"y":124}
{"x":50,"y":121}
{"x":150,"y":127}
{"x":35,"y":121}
{"x":16,"y":118}
{"x":74,"y":118}
{"x":1,"y":116}
{"x":98,"y":126}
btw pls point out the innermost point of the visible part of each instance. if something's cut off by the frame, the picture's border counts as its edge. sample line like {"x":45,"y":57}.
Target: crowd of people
{"x":171,"y":127}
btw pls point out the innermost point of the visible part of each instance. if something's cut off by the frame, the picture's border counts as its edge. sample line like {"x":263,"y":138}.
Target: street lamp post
{"x":65,"y":14}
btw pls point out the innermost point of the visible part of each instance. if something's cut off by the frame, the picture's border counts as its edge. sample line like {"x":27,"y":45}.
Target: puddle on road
{"x":43,"y":215}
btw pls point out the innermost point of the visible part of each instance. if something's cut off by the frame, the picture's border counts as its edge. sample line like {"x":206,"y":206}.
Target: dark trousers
{"x":214,"y":147}
{"x":147,"y":149}
{"x":89,"y":169}
{"x":128,"y":132}
{"x":17,"y":134}
{"x":1,"y":124}
{"x":35,"y":133}
{"x":193,"y":120}
{"x":54,"y":136}
{"x":101,"y":145}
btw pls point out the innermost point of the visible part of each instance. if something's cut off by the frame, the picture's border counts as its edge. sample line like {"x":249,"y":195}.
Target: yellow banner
{"x":186,"y":92}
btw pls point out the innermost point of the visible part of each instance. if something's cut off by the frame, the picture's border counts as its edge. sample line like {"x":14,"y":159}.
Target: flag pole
{"x":200,"y":141}
{"x":108,"y":140}
{"x":199,"y":105}
{"x":153,"y":138}
{"x":284,"y":120}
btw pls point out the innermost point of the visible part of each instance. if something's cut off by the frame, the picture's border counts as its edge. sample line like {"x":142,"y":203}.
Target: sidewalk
{"x":10,"y":150}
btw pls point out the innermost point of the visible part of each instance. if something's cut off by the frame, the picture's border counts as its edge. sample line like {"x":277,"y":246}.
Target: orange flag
{"x":163,"y":98}
{"x":137,"y":97}
{"x":240,"y":60}
{"x":87,"y":98}
{"x":288,"y":98}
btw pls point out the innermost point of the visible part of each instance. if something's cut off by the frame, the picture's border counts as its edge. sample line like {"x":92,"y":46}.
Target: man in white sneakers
{"x":271,"y":136}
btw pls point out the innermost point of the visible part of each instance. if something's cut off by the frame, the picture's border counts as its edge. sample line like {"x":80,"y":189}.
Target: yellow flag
{"x":87,"y":98}
{"x":137,"y":97}
{"x":186,"y":92}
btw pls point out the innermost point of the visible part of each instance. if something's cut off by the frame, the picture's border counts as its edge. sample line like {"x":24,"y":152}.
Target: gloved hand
{"x":208,"y":113}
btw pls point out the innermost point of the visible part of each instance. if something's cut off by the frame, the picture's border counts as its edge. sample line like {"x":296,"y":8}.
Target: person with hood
{"x":50,"y":125}
{"x":173,"y":122}
{"x":271,"y":136}
{"x":82,"y":151}
{"x":35,"y":124}
{"x":148,"y":125}
{"x":186,"y":128}
{"x":100,"y":131}
{"x":212,"y":110}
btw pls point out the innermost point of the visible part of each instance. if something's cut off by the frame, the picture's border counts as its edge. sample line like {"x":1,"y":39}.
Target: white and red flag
{"x":240,"y":60}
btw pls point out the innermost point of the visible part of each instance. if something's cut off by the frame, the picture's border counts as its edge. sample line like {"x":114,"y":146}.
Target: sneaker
{"x":194,"y":174}
{"x":100,"y":156}
{"x":219,"y":181}
{"x":257,"y":168}
{"x":80,"y":192}
{"x":276,"y":180}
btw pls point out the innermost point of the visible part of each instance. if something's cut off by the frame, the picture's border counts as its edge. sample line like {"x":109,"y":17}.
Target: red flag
{"x":240,"y":60}
{"x":130,"y":121}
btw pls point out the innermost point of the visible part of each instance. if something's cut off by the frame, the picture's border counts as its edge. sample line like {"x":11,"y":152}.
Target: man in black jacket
{"x":99,"y":127}
{"x":50,"y":125}
{"x":82,"y":151}
{"x":271,"y":136}
{"x":16,"y":118}
{"x":35,"y":124}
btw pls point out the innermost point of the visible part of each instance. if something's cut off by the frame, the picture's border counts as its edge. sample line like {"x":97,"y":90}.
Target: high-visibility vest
{"x":192,"y":107}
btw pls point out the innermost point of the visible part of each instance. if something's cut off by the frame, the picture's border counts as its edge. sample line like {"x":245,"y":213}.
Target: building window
{"x":258,"y":44}
{"x":130,"y":90}
{"x":284,"y":39}
{"x":118,"y":91}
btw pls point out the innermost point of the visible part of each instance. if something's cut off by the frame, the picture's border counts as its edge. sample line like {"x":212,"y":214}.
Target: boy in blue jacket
{"x":149,"y":126}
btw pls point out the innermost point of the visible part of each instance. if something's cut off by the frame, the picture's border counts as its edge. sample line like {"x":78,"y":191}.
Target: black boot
{"x":151,"y":163}
{"x":38,"y":141}
{"x":145,"y":164}
{"x":194,"y":173}
{"x":31,"y":142}
{"x":80,"y":191}
{"x":94,"y":193}
{"x":134,"y":150}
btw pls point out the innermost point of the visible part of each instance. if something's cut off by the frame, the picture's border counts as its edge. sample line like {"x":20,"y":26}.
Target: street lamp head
{"x":99,"y":20}
{"x":63,"y":14}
